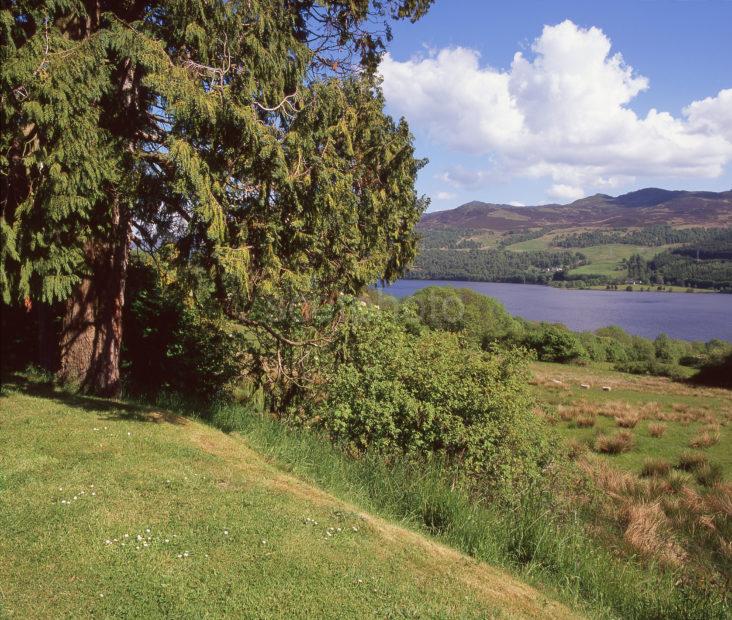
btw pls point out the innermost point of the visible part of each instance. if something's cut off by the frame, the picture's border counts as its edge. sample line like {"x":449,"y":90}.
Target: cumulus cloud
{"x":445,"y":196}
{"x":463,"y":178}
{"x":559,"y":112}
{"x":565,"y":192}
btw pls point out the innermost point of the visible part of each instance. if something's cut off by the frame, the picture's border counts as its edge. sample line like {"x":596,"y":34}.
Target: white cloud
{"x":565,"y":192}
{"x":445,"y":196}
{"x":463,"y":178}
{"x":516,"y":203}
{"x":561,"y":112}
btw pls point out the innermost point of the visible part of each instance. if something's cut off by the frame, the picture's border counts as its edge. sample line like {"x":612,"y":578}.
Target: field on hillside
{"x":114,"y":510}
{"x":606,"y":259}
{"x":660,"y":453}
{"x":683,"y":414}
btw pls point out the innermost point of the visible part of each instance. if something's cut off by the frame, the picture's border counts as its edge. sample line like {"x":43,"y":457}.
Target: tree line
{"x":650,"y":236}
{"x":535,"y":267}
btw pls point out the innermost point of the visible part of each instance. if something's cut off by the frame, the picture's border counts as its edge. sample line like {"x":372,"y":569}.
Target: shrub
{"x":432,"y":395}
{"x":170,"y":345}
{"x":555,"y":343}
{"x":656,"y":429}
{"x":652,"y":367}
{"x":655,"y":467}
{"x":482,"y":319}
{"x":622,"y":441}
{"x":691,"y":461}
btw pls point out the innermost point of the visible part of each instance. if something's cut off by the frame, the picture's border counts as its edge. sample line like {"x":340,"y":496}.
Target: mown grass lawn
{"x":114,"y":510}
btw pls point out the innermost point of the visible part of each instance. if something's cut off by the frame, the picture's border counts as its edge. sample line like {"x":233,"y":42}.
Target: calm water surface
{"x":680,"y":315}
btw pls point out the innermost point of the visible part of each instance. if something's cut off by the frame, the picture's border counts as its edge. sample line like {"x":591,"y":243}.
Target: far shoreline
{"x":622,"y":288}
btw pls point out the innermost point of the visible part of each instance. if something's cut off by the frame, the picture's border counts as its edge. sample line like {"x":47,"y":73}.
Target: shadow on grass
{"x":109,"y":409}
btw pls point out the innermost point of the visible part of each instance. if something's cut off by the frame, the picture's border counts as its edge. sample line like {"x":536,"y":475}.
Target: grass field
{"x":122,"y":510}
{"x":684,"y":411}
{"x":114,"y":510}
{"x":605,"y":259}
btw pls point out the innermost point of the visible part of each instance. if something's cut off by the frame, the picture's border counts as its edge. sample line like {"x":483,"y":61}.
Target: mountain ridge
{"x":643,"y":207}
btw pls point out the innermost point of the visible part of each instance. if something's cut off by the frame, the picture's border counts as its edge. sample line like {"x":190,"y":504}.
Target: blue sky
{"x":568,"y":117}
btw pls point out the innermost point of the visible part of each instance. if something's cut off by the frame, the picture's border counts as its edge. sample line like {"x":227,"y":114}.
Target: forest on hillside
{"x":694,"y":258}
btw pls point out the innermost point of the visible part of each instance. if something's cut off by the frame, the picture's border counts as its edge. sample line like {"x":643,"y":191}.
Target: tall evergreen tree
{"x":249,"y":135}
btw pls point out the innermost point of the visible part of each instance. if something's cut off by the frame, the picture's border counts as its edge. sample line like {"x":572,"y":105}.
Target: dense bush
{"x":652,"y":367}
{"x":555,"y":343}
{"x":483,"y":319}
{"x":171,"y":345}
{"x":434,"y":394}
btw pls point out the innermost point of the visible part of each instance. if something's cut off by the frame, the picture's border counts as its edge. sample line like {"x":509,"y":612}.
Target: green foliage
{"x":432,"y":394}
{"x":535,"y":267}
{"x":267,"y":174}
{"x":481,"y":318}
{"x":661,"y":234}
{"x":555,"y":343}
{"x":653,"y":367}
{"x":170,"y":345}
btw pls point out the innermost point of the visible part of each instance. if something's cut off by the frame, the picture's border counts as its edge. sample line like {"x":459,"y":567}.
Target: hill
{"x":644,"y":207}
{"x":652,"y":237}
{"x":114,"y":510}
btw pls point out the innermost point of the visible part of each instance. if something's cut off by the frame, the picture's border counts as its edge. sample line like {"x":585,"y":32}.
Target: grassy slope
{"x":637,"y":391}
{"x":253,"y":547}
{"x":605,"y":259}
{"x":602,"y":259}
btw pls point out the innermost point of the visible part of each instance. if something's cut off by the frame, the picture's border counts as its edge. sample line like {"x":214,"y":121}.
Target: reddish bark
{"x":91,"y":334}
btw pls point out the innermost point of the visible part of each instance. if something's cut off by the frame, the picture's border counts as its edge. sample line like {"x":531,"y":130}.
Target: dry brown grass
{"x":690,"y":461}
{"x":585,"y":420}
{"x":719,"y":500}
{"x":614,"y":482}
{"x":656,"y":429}
{"x":576,"y":448}
{"x":705,"y":439}
{"x":622,"y":441}
{"x":627,"y":420}
{"x":655,"y":467}
{"x":649,"y":531}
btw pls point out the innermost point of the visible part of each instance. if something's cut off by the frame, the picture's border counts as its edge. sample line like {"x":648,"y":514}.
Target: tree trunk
{"x":91,"y":333}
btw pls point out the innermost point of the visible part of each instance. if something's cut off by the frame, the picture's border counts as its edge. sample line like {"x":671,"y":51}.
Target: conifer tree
{"x":249,"y":135}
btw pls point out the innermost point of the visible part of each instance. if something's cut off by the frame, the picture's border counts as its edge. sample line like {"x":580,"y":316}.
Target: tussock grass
{"x":708,"y":474}
{"x":585,"y":421}
{"x":628,"y":420}
{"x":691,"y":461}
{"x":621,"y":441}
{"x":648,"y":530}
{"x":655,"y":467}
{"x":705,"y":439}
{"x":656,"y":429}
